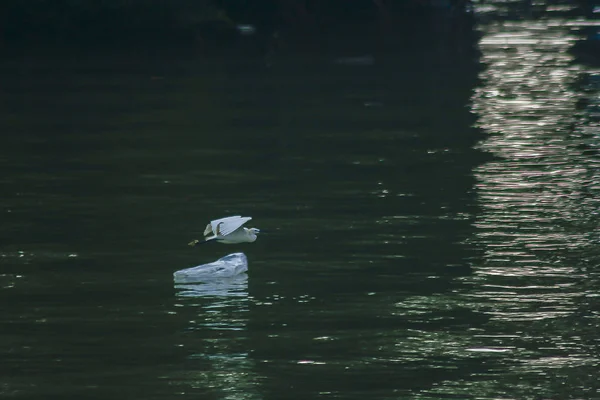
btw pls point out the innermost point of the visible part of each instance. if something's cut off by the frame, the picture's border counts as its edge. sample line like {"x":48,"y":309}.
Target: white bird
{"x":228,"y":230}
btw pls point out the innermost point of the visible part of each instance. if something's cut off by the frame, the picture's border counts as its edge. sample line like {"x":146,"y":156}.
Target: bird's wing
{"x":229,"y":225}
{"x":214,"y":224}
{"x":211,"y":228}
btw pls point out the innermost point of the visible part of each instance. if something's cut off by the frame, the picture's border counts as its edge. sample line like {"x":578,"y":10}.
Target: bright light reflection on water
{"x":538,"y":224}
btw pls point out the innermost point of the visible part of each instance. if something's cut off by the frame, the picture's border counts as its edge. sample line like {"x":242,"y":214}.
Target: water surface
{"x":429,"y":219}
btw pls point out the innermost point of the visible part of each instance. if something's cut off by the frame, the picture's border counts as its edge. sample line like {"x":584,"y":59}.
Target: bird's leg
{"x":197,"y":242}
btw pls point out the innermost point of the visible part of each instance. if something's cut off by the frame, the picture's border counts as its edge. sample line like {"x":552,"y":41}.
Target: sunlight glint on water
{"x":536,"y":201}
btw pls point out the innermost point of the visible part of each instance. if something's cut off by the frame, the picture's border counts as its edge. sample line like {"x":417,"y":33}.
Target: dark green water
{"x":430,"y":223}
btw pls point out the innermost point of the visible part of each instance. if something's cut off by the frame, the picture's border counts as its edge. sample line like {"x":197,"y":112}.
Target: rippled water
{"x":430,"y":222}
{"x":538,"y":224}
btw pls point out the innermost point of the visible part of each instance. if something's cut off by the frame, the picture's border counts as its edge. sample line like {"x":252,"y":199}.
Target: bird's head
{"x":252,"y":233}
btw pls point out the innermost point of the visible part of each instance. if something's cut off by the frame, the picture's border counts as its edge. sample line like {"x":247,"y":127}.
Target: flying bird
{"x":228,"y":230}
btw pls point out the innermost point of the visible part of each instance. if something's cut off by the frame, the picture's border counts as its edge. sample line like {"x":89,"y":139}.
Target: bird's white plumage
{"x":226,"y":226}
{"x":228,"y":230}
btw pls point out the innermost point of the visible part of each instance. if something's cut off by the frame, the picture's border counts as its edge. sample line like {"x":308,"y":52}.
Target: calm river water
{"x":430,"y":218}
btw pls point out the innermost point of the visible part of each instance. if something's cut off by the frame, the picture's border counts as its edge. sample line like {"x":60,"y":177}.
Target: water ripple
{"x":538,"y":221}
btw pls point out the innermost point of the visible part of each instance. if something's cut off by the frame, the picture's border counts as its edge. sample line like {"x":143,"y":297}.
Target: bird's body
{"x":228,"y":230}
